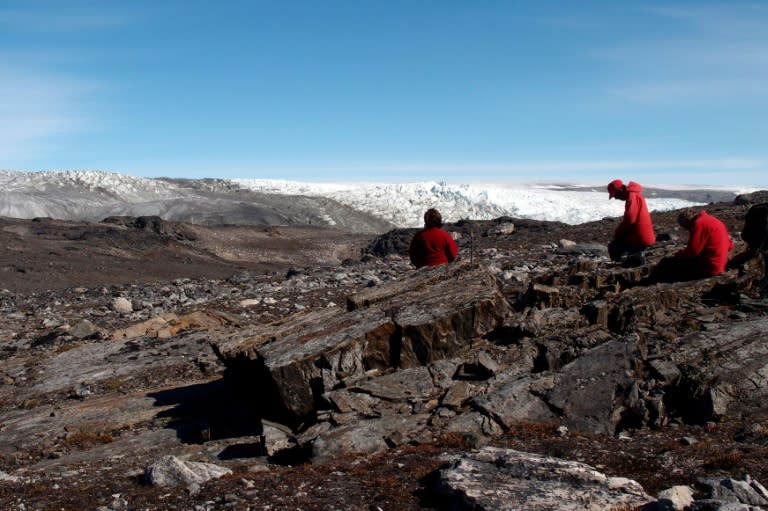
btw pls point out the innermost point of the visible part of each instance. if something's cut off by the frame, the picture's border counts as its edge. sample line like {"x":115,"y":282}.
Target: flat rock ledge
{"x":505,"y":479}
{"x":494,"y":478}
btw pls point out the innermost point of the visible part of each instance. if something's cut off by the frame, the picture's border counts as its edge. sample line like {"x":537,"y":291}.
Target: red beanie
{"x":613,"y":187}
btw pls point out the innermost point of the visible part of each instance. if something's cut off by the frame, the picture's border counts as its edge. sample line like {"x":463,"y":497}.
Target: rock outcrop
{"x":430,"y":316}
{"x":446,"y":350}
{"x":532,"y":343}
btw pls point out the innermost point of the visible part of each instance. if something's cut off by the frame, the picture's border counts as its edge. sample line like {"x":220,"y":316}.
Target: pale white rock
{"x":122,"y":305}
{"x":497,"y":478}
{"x":173,"y":471}
{"x":678,"y":497}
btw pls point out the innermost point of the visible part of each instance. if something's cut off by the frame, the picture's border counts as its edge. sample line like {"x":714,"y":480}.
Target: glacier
{"x":91,"y":195}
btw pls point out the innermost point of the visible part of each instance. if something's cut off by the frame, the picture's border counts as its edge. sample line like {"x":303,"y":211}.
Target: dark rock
{"x":408,"y":323}
{"x":590,"y":392}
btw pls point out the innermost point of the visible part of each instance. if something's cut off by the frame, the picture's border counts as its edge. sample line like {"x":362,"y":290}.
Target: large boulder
{"x":428,"y":316}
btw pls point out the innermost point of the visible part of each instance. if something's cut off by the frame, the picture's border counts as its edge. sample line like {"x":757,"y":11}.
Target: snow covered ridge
{"x":92,"y":195}
{"x":404,"y":204}
{"x":121,"y":186}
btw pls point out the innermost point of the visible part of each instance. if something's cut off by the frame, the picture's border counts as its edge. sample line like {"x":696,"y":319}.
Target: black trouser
{"x":619,"y":247}
{"x":679,"y":269}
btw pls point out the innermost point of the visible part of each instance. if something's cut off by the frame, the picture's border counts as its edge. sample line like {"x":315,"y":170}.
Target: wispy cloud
{"x":36,"y":107}
{"x":679,"y":91}
{"x":728,"y":18}
{"x":59,"y":18}
{"x":704,"y":53}
{"x":40,"y":102}
{"x":683,"y":168}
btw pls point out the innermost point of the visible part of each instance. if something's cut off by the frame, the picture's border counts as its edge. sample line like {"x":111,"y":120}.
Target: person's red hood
{"x":633,"y":187}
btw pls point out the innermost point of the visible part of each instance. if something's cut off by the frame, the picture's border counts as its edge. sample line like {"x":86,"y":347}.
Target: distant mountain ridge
{"x":374,"y":208}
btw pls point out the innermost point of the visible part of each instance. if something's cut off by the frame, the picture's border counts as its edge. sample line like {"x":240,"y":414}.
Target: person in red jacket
{"x":635,"y":232}
{"x":432,"y":246}
{"x":708,"y":242}
{"x":705,"y":255}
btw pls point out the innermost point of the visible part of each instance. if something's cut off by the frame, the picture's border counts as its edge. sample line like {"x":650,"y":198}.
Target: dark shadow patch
{"x":208,"y":411}
{"x":244,"y":450}
{"x":433,"y":494}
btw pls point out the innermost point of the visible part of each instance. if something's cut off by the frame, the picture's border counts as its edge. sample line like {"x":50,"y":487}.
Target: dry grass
{"x":456,"y":440}
{"x":624,"y":507}
{"x":63,"y":348}
{"x":84,"y":439}
{"x":29,"y":404}
{"x":724,"y":461}
{"x":114,"y":384}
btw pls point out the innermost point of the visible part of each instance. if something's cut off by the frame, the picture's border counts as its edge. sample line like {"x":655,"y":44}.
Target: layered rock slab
{"x":724,"y":369}
{"x":496,"y":478}
{"x":428,"y":316}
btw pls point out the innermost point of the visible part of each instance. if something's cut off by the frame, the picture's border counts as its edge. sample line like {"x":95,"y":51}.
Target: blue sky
{"x":388,"y":91}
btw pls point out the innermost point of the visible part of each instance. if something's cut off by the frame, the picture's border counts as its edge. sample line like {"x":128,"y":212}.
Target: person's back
{"x":432,"y":246}
{"x":705,"y":255}
{"x":709,"y":242}
{"x":637,"y":224}
{"x":635,"y":232}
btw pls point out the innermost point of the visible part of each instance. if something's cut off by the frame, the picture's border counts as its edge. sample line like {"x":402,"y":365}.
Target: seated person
{"x":705,"y":255}
{"x":635,"y":232}
{"x":432,"y":246}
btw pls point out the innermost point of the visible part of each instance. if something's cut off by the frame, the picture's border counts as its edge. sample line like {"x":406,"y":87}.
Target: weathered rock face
{"x":583,"y":345}
{"x":723,"y":371}
{"x":446,"y":350}
{"x":427,"y":317}
{"x":590,"y":392}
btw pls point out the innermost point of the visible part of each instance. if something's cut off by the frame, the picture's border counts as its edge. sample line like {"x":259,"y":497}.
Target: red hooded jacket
{"x":432,"y":246}
{"x":708,"y":239}
{"x":636,"y":227}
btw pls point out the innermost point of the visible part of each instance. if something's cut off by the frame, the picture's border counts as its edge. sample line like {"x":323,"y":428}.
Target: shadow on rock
{"x":207,"y":411}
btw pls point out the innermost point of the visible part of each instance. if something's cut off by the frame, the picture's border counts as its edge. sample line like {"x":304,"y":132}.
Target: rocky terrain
{"x":152,"y":365}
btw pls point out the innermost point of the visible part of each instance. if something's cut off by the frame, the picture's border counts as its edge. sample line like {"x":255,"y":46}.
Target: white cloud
{"x":34,"y":107}
{"x":704,"y":53}
{"x":742,"y":20}
{"x":671,"y":91}
{"x":60,"y":18}
{"x":39,"y":106}
{"x":745,"y":164}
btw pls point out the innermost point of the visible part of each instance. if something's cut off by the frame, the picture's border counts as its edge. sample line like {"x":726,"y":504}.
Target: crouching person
{"x":705,"y":255}
{"x":635,"y":232}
